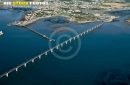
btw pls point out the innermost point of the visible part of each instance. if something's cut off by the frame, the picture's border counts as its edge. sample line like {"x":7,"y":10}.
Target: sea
{"x":101,"y":57}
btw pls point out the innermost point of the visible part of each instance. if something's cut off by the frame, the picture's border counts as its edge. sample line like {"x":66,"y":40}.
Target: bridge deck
{"x":40,"y":34}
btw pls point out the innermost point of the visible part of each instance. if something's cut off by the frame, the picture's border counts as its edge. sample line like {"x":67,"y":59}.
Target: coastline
{"x":128,"y":20}
{"x":26,"y":23}
{"x":32,"y":20}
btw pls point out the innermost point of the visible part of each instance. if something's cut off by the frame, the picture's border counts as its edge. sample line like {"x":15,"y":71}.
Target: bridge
{"x":36,"y":32}
{"x":40,"y":34}
{"x":32,"y":60}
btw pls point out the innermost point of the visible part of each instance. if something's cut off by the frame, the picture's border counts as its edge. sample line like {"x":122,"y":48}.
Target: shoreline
{"x":26,"y":23}
{"x":128,"y":20}
{"x":29,"y":21}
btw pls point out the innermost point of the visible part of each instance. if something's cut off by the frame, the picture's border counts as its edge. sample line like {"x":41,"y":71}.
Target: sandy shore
{"x":25,"y":23}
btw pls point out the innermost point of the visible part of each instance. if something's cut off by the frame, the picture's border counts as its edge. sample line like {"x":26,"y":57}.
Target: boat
{"x":1,"y":33}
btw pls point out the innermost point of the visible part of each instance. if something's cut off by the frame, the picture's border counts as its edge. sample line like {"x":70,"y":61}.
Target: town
{"x":75,"y":11}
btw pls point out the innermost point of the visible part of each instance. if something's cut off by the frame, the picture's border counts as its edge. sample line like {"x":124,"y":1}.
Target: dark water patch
{"x":56,"y":20}
{"x":112,"y":77}
{"x":120,"y":13}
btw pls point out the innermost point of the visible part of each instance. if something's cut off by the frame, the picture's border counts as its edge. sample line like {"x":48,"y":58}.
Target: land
{"x":115,"y":5}
{"x":74,"y":11}
{"x":128,"y":20}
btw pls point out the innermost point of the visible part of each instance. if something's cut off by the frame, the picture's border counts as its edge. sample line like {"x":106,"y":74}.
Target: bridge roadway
{"x":40,"y":34}
{"x":34,"y":31}
{"x":32,"y":60}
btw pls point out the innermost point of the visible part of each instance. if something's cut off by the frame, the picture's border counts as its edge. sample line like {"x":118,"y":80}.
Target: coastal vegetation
{"x":128,"y":20}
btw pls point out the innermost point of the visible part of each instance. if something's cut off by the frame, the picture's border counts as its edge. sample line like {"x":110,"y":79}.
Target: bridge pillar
{"x":25,"y":64}
{"x":61,"y":44}
{"x":66,"y":42}
{"x":74,"y":38}
{"x":16,"y":69}
{"x":45,"y":53}
{"x":32,"y":60}
{"x":57,"y":47}
{"x":81,"y":34}
{"x":92,"y":28}
{"x":7,"y":74}
{"x":84,"y":33}
{"x":39,"y":56}
{"x":51,"y":50}
{"x":70,"y":39}
{"x":77,"y":36}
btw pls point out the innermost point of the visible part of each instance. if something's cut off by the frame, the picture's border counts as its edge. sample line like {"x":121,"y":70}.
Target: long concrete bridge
{"x":32,"y":60}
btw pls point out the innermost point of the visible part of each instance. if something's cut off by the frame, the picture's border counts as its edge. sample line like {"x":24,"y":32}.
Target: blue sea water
{"x":106,"y":49}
